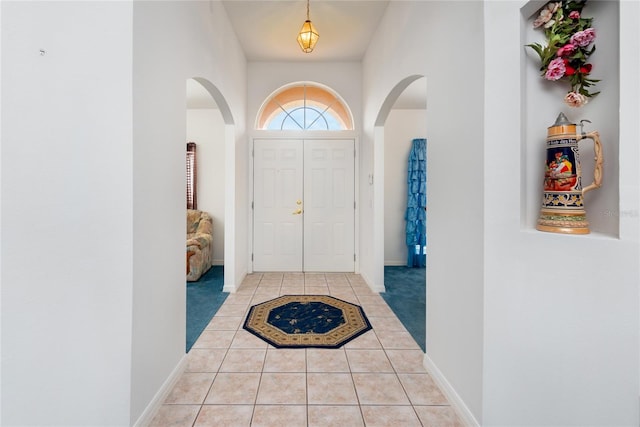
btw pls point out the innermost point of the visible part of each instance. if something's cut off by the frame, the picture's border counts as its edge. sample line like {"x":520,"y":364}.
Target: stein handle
{"x":597,"y":148}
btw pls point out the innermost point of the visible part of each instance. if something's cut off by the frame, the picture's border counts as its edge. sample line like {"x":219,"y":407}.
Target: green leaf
{"x":537,"y":47}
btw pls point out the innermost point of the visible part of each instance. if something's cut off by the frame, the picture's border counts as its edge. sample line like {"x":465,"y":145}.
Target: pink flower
{"x":583,"y":38}
{"x":575,"y":99}
{"x":574,"y":14}
{"x":555,"y":70}
{"x":566,"y":50}
{"x":546,"y":14}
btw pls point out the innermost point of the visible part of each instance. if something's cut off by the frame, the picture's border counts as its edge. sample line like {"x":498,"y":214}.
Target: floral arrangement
{"x":569,"y":37}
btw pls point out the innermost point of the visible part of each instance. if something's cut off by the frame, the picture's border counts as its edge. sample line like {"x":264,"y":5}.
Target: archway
{"x":209,"y":132}
{"x":378,"y":165}
{"x":402,"y":118}
{"x":206,"y":95}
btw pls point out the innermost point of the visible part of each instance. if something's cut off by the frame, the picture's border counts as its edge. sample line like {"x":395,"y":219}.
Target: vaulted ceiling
{"x":267,"y":31}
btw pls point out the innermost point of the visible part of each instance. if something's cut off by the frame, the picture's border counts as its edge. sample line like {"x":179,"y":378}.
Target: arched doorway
{"x":205,"y":130}
{"x":401,"y":119}
{"x":208,"y":174}
{"x":418,"y":93}
{"x":209,"y":96}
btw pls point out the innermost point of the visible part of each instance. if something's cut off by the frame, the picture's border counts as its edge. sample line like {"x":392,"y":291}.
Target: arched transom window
{"x":304,"y":106}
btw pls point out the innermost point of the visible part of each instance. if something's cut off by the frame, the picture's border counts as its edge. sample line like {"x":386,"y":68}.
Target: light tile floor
{"x":235,"y":379}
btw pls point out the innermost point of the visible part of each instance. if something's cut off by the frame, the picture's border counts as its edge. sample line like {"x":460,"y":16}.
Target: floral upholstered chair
{"x":199,"y":244}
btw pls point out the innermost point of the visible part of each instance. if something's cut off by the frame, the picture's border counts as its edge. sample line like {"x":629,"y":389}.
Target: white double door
{"x":303,"y":210}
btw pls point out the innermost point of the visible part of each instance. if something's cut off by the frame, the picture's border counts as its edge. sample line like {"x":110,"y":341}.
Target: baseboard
{"x":450,"y":393}
{"x":218,"y":262}
{"x":234,"y":288}
{"x":402,"y":263}
{"x":368,"y":282}
{"x":152,"y":408}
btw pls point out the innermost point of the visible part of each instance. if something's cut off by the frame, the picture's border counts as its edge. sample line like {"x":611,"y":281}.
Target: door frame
{"x":298,"y":135}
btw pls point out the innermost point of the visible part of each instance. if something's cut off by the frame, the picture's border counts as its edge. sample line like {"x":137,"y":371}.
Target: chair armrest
{"x":200,"y":240}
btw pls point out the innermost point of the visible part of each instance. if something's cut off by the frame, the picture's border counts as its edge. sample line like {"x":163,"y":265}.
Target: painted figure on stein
{"x":563,"y":201}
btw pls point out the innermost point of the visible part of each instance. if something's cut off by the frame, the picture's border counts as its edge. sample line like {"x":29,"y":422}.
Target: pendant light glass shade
{"x":308,"y":36}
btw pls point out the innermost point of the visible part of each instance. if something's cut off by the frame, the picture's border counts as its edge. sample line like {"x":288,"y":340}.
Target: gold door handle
{"x":297,"y":211}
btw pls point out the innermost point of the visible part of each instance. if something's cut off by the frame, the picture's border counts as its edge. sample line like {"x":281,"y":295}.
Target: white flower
{"x":575,"y":99}
{"x":546,"y":14}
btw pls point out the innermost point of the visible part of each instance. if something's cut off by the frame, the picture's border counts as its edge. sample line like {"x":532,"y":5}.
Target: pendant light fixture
{"x":308,"y":36}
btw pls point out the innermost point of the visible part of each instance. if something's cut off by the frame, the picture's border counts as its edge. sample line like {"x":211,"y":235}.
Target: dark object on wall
{"x":192,"y":194}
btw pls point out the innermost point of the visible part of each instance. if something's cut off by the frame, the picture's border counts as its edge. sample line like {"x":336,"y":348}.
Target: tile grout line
{"x":355,"y":389}
{"x":311,"y":281}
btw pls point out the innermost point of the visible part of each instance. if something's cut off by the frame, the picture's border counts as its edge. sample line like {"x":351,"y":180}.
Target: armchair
{"x":199,"y":243}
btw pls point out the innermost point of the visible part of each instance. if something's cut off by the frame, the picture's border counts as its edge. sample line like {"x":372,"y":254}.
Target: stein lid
{"x":562,"y":121}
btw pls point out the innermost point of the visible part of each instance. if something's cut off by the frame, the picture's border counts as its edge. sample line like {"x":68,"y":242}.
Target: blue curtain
{"x":416,"y":214}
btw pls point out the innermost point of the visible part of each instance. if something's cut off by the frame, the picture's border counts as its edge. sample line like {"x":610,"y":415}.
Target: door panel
{"x":278,"y":179}
{"x":329,"y":205}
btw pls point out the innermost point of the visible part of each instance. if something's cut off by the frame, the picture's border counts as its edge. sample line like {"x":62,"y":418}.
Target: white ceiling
{"x":267,"y":31}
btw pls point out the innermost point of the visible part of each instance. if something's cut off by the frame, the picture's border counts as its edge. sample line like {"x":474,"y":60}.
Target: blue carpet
{"x":405,"y":292}
{"x":204,"y":298}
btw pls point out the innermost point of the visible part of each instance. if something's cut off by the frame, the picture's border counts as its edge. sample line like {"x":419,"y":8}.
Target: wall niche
{"x":542,"y":101}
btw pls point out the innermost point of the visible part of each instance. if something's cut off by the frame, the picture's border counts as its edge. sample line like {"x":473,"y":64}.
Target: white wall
{"x":402,"y":126}
{"x":561,"y":311}
{"x":93,"y":298}
{"x":405,"y":44}
{"x":517,"y":344}
{"x":205,"y":127}
{"x":173,"y":41}
{"x":66,"y":213}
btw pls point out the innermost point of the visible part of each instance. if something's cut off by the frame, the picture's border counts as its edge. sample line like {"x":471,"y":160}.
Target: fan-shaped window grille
{"x":304,"y":106}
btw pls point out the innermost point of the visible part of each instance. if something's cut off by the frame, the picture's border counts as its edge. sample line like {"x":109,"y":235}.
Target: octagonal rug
{"x":298,"y":321}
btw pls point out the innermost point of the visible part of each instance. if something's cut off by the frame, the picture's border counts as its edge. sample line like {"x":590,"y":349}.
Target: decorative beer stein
{"x":563,"y":202}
